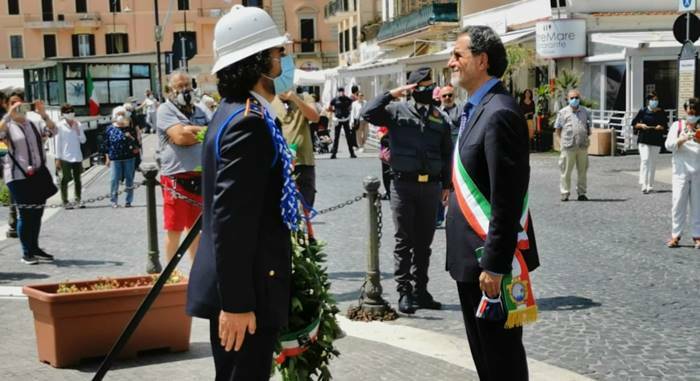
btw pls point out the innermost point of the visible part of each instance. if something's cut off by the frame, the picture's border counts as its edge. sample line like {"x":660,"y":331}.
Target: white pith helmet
{"x":243,"y":32}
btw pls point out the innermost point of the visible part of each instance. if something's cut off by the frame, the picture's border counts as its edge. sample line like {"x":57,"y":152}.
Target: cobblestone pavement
{"x":615,"y":303}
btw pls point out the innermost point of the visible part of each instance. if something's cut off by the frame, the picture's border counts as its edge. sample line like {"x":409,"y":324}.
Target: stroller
{"x":323,"y":140}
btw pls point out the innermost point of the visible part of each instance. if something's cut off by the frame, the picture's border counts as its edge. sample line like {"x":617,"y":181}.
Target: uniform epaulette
{"x":253,"y":108}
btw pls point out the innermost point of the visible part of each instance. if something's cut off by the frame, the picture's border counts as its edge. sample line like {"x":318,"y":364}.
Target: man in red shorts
{"x":178,"y":122}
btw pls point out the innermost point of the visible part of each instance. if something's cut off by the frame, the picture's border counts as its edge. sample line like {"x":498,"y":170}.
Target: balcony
{"x":88,"y":20}
{"x":307,"y":48}
{"x":336,"y":10}
{"x":431,"y":20}
{"x":46,"y":21}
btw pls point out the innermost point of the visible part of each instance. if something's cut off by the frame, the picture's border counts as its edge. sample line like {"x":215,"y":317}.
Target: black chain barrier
{"x":75,"y":204}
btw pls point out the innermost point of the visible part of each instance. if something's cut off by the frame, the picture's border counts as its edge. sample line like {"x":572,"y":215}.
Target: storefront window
{"x":662,"y":78}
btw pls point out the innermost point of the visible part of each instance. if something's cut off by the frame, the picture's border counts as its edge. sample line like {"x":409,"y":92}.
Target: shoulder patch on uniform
{"x":253,"y":108}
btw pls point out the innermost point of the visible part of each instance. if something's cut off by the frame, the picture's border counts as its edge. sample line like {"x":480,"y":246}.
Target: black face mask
{"x":425,"y":96}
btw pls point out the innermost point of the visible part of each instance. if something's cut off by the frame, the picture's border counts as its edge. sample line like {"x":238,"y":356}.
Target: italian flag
{"x":93,"y":104}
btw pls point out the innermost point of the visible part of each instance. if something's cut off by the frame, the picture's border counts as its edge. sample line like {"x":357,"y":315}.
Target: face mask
{"x":285,"y":81}
{"x":653,"y":104}
{"x":425,"y":95}
{"x":693,"y":119}
{"x":184,"y":98}
{"x":574,"y":102}
{"x":69,"y":116}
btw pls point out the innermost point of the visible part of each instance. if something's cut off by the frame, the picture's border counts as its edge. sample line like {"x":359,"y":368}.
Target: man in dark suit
{"x":492,"y":157}
{"x":240,"y":279}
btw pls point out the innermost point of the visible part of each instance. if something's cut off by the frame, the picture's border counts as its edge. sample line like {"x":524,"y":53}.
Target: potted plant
{"x":83,"y":319}
{"x":544,"y":133}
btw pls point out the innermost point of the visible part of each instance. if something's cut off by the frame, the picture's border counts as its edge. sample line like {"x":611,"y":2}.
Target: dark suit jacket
{"x":244,"y":259}
{"x":494,"y":150}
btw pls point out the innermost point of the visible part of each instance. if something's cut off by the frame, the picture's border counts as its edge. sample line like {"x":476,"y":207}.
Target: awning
{"x":518,"y":36}
{"x":638,"y":40}
{"x":312,"y":78}
{"x":11,"y":79}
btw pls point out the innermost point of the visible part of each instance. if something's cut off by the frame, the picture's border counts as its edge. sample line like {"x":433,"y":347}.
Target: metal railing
{"x":428,"y":15}
{"x":621,"y":123}
{"x":307,"y":46}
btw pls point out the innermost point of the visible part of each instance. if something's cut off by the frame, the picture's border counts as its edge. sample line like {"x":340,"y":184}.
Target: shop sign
{"x":561,"y":38}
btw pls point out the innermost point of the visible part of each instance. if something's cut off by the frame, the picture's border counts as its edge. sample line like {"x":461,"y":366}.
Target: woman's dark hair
{"x":485,"y":40}
{"x":66,"y":108}
{"x":693,"y":103}
{"x":651,"y":96}
{"x":528,"y":91}
{"x":236,"y":80}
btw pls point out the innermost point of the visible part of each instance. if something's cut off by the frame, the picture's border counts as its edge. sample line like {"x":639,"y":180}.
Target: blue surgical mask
{"x":653,"y":104}
{"x":692,"y":118}
{"x":285,"y":81}
{"x":574,"y":102}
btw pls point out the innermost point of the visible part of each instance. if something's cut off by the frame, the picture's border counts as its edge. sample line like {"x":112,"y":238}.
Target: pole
{"x":150,"y":171}
{"x":159,"y":37}
{"x":183,"y":41}
{"x":371,"y":300}
{"x":148,"y":301}
{"x":687,"y":26}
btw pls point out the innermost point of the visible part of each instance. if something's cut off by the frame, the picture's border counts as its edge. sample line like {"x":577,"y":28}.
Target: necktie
{"x":464,"y":120}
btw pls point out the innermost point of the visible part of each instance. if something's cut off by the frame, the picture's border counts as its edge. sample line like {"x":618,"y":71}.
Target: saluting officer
{"x":240,"y":279}
{"x":421,"y":148}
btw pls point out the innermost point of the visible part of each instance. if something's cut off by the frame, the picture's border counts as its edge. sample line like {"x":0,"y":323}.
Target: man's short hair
{"x":66,"y":108}
{"x":485,"y":40}
{"x":651,"y":95}
{"x":176,"y":74}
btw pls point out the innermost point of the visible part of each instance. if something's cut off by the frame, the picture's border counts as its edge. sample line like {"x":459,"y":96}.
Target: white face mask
{"x":69,"y":116}
{"x":121,"y":120}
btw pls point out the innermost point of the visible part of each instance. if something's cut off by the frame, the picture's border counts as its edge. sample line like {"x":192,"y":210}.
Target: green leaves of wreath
{"x":311,"y":303}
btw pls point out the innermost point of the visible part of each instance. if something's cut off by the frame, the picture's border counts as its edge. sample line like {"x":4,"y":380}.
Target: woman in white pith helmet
{"x":240,"y":278}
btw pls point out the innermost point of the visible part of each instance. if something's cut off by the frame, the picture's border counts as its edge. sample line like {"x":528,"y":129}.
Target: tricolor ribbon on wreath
{"x":516,"y":288}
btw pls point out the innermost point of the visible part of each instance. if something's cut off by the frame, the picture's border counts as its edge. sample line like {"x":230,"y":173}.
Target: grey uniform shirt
{"x":176,"y":159}
{"x":575,"y":127}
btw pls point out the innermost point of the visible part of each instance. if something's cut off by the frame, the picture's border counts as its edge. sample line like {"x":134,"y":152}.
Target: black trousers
{"x":414,"y":207}
{"x":348,"y":137}
{"x":306,"y":182}
{"x":498,"y":353}
{"x":253,"y":362}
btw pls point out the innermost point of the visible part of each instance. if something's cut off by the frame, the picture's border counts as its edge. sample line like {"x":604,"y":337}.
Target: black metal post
{"x":371,"y":300}
{"x":150,"y":171}
{"x":148,"y":301}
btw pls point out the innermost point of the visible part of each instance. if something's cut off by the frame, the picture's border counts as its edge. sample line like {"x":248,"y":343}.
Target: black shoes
{"x":425,"y":301}
{"x":406,"y":303}
{"x":564,"y":197}
{"x":333,"y":156}
{"x":353,"y":156}
{"x":29,"y":260}
{"x":43,"y":256}
{"x":12,"y":233}
{"x":582,"y":197}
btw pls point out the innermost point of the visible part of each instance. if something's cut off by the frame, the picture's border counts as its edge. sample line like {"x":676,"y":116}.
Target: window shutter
{"x":76,"y":51}
{"x":91,"y":38}
{"x":109,"y":46}
{"x":125,"y":38}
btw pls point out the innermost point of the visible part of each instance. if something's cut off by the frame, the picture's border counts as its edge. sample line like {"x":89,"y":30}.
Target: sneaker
{"x":353,"y":156}
{"x":127,"y":205}
{"x":582,"y":197}
{"x":43,"y":256}
{"x":564,"y":197}
{"x":115,"y":205}
{"x":29,"y":260}
{"x":67,"y":206}
{"x":333,"y":156}
{"x":81,"y":204}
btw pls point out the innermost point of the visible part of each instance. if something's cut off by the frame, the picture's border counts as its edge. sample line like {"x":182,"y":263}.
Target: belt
{"x":417,"y":177}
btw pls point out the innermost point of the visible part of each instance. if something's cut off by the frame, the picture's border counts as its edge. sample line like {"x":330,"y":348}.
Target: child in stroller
{"x":323,"y":140}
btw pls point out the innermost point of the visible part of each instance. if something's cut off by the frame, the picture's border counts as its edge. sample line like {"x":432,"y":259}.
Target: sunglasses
{"x":447,"y":95}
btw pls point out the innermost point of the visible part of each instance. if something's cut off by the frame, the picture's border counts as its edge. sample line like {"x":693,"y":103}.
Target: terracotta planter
{"x":71,"y":327}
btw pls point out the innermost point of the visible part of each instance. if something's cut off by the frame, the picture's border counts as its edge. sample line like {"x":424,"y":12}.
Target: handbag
{"x":39,"y":186}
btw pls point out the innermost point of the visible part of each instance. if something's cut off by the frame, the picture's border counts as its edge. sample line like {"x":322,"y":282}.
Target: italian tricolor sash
{"x":516,"y":289}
